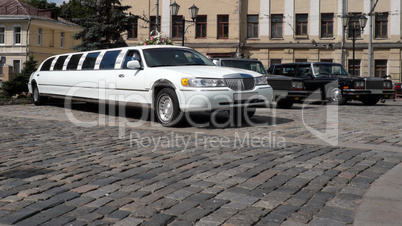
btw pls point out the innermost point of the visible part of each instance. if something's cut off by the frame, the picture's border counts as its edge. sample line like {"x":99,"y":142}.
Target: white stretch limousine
{"x":170,"y":79}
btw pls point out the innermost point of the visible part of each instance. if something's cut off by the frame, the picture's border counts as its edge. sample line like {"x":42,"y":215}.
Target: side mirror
{"x":134,"y":64}
{"x":216,"y":62}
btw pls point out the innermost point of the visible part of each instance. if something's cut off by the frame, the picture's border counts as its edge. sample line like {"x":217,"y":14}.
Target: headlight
{"x":203,"y":82}
{"x":297,"y":85}
{"x":359,"y":85}
{"x":260,"y":80}
{"x":387,"y":85}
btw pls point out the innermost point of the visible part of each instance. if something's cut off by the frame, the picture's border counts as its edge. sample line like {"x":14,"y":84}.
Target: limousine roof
{"x":123,"y":48}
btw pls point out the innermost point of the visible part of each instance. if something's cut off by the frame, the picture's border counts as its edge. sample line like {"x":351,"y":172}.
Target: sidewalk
{"x":382,"y":204}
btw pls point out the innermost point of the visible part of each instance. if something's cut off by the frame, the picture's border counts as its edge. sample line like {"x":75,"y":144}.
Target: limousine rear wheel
{"x":167,"y":108}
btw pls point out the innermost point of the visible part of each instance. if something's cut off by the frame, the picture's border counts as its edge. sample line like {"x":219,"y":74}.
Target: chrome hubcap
{"x":336,"y":95}
{"x":165,"y":108}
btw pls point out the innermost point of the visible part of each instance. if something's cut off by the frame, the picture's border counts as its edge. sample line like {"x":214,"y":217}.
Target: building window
{"x":301,"y":24}
{"x":252,"y":26}
{"x":275,"y":61}
{"x":380,"y":68}
{"x":381,"y":25}
{"x":327,"y":25}
{"x":354,"y":26}
{"x":17,"y":35}
{"x":62,"y":39}
{"x":133,"y":31}
{"x":276,"y":26}
{"x":177,"y":27}
{"x":354,"y":65}
{"x":152,"y":26}
{"x":201,"y":27}
{"x":300,"y":60}
{"x":223,"y":26}
{"x":39,"y":36}
{"x":2,"y":35}
{"x":17,"y":66}
{"x":326,"y":60}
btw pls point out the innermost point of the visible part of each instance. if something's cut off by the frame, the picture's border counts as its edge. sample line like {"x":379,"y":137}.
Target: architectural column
{"x":395,"y":18}
{"x":289,"y":18}
{"x":314,"y":21}
{"x":166,"y":18}
{"x":264,"y":17}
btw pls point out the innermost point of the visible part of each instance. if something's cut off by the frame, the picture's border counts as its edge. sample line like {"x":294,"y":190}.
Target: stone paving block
{"x":90,"y":217}
{"x":181,"y":208}
{"x":160,"y":219}
{"x":117,"y":215}
{"x":337,"y":214}
{"x":85,"y":188}
{"x":62,"y":220}
{"x":129,"y":221}
{"x":18,"y":215}
{"x":99,"y":202}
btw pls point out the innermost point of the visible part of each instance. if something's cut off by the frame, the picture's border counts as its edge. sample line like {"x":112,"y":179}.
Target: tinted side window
{"x":59,"y":63}
{"x":109,"y":59}
{"x":47,"y":64}
{"x":89,"y":62}
{"x":73,"y":62}
{"x":289,"y":70}
{"x":278,"y":70}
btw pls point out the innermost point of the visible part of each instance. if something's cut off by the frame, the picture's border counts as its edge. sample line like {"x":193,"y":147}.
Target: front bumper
{"x":295,"y":95}
{"x":208,"y":99}
{"x":368,"y":93}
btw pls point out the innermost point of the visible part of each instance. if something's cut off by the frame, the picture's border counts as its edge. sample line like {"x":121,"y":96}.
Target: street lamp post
{"x":174,"y":10}
{"x":362,"y":24}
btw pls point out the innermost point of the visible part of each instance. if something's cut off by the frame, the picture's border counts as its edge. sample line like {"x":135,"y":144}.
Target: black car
{"x":398,"y":90}
{"x":335,"y":83}
{"x":286,"y":90}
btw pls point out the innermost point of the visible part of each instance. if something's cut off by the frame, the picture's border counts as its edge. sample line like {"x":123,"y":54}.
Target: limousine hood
{"x":202,"y":71}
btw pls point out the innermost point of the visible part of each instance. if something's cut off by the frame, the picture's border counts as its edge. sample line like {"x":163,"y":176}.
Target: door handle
{"x":121,"y":76}
{"x":37,"y":75}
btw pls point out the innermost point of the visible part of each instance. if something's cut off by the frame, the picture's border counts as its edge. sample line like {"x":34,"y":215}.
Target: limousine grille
{"x":240,"y":83}
{"x":374,"y":85}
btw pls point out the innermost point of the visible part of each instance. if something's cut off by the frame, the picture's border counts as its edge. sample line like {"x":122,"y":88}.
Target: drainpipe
{"x":239,"y":44}
{"x":27,"y":39}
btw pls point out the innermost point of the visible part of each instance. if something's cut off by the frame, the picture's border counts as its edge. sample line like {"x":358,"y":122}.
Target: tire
{"x":370,"y":101}
{"x":284,"y":104}
{"x":167,"y":108}
{"x":37,"y":98}
{"x":334,"y":95}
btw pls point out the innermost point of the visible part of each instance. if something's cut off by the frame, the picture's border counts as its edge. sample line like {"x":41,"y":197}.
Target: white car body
{"x":135,"y":82}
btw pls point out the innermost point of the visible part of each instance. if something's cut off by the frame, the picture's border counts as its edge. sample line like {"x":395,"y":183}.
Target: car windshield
{"x":321,"y":70}
{"x":160,"y":57}
{"x":243,"y":64}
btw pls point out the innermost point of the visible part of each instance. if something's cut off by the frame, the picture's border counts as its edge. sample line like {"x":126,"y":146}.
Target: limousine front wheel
{"x":167,"y":108}
{"x":37,"y":99}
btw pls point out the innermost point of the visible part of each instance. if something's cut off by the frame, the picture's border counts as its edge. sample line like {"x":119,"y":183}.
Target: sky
{"x":58,"y":2}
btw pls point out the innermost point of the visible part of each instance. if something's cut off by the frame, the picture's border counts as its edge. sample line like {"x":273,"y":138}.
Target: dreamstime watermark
{"x":201,"y":140}
{"x":109,"y":99}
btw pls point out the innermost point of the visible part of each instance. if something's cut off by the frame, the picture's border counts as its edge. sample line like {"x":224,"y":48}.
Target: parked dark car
{"x":287,"y":90}
{"x":398,"y":89}
{"x":335,"y":84}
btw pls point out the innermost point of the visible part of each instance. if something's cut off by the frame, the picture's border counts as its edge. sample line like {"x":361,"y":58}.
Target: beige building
{"x":282,"y":31}
{"x":28,"y":31}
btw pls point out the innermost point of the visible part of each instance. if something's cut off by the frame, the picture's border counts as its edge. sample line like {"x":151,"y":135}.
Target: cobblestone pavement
{"x":79,"y":167}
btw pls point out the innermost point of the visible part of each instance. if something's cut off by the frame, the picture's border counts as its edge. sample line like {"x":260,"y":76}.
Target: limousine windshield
{"x":321,"y":70}
{"x":159,"y":57}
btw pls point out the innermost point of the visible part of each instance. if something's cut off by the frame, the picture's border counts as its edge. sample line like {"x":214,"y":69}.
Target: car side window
{"x":89,"y":62}
{"x":59,"y":63}
{"x":277,"y":70}
{"x":289,"y":70}
{"x":73,"y":62}
{"x":47,"y":64}
{"x":303,"y":71}
{"x":109,"y":59}
{"x":131,"y":55}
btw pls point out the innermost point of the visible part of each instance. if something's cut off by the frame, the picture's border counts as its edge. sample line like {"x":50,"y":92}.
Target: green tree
{"x":42,"y":4}
{"x":76,"y":9}
{"x":18,"y":84}
{"x":103,"y":25}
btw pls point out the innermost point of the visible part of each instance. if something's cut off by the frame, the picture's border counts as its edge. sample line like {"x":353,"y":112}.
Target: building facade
{"x":282,"y":31}
{"x":28,"y":31}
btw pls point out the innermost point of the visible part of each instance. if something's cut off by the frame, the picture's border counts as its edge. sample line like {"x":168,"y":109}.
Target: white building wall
{"x":289,"y":17}
{"x":314,"y":18}
{"x":264,"y":17}
{"x":395,"y":17}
